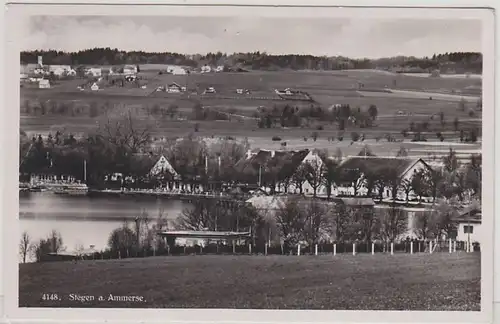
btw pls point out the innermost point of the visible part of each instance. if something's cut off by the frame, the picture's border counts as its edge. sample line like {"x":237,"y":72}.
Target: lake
{"x":86,"y":221}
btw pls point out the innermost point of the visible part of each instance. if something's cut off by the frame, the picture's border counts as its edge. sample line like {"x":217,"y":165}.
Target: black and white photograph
{"x":253,"y":162}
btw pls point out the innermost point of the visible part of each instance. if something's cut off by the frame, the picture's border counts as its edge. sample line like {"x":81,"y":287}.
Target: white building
{"x":59,"y":70}
{"x":130,"y":69}
{"x":206,"y":69}
{"x":163,"y":165}
{"x":96,"y":72}
{"x":469,"y":226}
{"x":44,"y":84}
{"x":94,"y":87}
{"x":176,"y":70}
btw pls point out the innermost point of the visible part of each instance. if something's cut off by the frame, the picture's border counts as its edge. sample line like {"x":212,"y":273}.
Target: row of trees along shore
{"x":114,"y":146}
{"x":459,"y":62}
{"x":308,"y":222}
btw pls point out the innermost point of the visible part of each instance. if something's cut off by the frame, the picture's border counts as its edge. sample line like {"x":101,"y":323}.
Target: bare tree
{"x":299,"y":177}
{"x":393,"y":223}
{"x":124,"y":132}
{"x":316,"y":221}
{"x":290,"y":221}
{"x":25,"y":246}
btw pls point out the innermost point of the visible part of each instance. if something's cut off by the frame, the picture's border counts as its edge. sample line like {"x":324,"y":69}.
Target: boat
{"x":72,"y":190}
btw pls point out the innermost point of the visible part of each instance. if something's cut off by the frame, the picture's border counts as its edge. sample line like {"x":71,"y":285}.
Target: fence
{"x":349,"y":248}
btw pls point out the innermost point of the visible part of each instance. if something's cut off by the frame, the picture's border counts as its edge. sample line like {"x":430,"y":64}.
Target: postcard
{"x":249,"y":163}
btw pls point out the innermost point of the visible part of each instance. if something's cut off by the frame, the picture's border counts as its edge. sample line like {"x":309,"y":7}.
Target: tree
{"x":330,"y":175}
{"x":419,"y":184}
{"x":406,"y":185}
{"x":393,"y":223}
{"x":456,"y":123}
{"x":172,"y":110}
{"x":433,"y":179}
{"x":316,"y":221}
{"x":314,"y":174}
{"x":450,"y":161}
{"x":373,"y":112}
{"x":299,"y":177}
{"x":25,"y":246}
{"x":52,"y":244}
{"x":290,"y":221}
{"x":425,"y":224}
{"x":122,"y":241}
{"x":474,"y":175}
{"x":355,"y":136}
{"x":403,"y":152}
{"x":462,"y":105}
{"x":124,"y":133}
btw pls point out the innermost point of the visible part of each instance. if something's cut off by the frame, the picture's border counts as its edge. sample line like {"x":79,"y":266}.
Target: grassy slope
{"x":382,"y":282}
{"x":320,"y":84}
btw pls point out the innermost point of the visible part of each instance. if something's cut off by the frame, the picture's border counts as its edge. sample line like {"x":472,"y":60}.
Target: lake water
{"x":86,"y":221}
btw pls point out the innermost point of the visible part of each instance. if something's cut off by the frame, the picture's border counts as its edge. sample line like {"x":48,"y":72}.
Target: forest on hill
{"x":456,"y":62}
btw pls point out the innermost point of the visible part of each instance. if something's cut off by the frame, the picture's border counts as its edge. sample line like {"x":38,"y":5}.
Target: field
{"x":327,"y":88}
{"x":439,"y":281}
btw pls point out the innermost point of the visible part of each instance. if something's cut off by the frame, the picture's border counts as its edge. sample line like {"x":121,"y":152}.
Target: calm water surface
{"x":83,"y":220}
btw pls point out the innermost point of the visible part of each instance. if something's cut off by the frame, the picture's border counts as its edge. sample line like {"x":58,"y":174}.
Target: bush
{"x":472,"y":113}
{"x":320,"y":127}
{"x":196,"y":127}
{"x":355,"y":136}
{"x":404,"y":132}
{"x":276,"y":138}
{"x":315,"y":136}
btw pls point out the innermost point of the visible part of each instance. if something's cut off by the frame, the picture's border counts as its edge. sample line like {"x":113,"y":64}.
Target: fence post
{"x":234,"y":247}
{"x":455,"y":246}
{"x":334,"y":249}
{"x":265,"y":249}
{"x":298,"y":249}
{"x":411,"y":247}
{"x":184,"y":250}
{"x":392,"y":248}
{"x":249,"y":248}
{"x":450,"y":248}
{"x":430,"y":247}
{"x":373,"y":248}
{"x":353,"y":248}
{"x":201,"y":249}
{"x":316,"y":249}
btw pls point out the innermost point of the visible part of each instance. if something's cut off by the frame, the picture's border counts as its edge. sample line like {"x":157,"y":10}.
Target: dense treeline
{"x":459,"y":62}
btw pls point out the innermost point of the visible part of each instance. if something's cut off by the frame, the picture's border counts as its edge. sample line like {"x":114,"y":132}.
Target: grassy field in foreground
{"x":439,"y":281}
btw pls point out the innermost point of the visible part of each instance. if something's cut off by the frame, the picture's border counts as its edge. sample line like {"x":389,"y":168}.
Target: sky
{"x":351,"y":37}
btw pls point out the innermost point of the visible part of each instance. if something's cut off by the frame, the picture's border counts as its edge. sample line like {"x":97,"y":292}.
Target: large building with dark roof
{"x":256,"y":168}
{"x":353,"y":172}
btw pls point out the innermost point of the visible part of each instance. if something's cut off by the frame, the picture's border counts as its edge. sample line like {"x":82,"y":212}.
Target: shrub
{"x":472,"y":113}
{"x":276,"y":138}
{"x":355,"y":136}
{"x":314,"y":136}
{"x":196,"y":127}
{"x":404,"y":132}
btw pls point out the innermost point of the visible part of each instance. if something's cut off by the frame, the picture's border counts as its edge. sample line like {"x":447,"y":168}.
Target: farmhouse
{"x":44,"y":84}
{"x":358,"y":174}
{"x":59,"y":70}
{"x":129,"y":69}
{"x":175,"y":88}
{"x":176,"y":70}
{"x":275,"y":170}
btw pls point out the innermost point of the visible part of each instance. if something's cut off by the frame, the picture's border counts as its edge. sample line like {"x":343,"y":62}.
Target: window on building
{"x":468,"y":229}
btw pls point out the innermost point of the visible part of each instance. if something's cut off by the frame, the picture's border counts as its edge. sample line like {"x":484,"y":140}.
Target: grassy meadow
{"x":327,"y":88}
{"x":439,"y":281}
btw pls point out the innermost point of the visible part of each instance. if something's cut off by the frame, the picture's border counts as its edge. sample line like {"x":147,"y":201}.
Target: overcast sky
{"x":352,"y":37}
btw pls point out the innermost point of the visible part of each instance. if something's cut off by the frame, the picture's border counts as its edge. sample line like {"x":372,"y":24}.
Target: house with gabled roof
{"x":359,"y":174}
{"x":275,"y":170}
